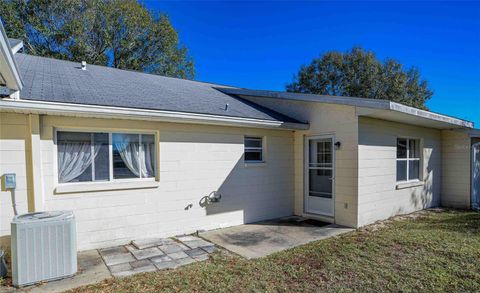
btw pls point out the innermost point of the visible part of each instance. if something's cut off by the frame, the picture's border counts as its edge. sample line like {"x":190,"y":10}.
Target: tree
{"x":358,"y":73}
{"x":117,"y":33}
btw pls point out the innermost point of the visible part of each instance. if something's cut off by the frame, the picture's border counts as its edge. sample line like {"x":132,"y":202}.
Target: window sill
{"x":104,"y":186}
{"x":404,"y":185}
{"x":255,"y":164}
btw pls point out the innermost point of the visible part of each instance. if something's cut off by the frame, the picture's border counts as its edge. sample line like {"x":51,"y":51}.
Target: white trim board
{"x":386,"y":108}
{"x":77,"y":110}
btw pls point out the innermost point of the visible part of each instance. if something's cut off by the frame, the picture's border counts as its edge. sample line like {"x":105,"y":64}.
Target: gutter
{"x":93,"y":111}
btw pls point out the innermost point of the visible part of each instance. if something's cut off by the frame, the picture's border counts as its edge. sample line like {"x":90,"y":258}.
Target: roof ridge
{"x":132,"y":71}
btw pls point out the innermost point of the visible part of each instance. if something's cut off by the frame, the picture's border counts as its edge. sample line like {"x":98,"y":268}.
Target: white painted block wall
{"x":456,"y":179}
{"x":323,"y":118}
{"x":378,"y":197}
{"x":194,"y":161}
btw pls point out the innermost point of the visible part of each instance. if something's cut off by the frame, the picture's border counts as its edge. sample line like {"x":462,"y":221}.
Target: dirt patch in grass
{"x":430,"y":251}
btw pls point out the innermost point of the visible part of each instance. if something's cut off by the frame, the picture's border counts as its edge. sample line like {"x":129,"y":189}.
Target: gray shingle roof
{"x":62,"y":81}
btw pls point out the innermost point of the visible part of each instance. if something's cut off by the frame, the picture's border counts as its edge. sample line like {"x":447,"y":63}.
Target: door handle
{"x":331,"y":178}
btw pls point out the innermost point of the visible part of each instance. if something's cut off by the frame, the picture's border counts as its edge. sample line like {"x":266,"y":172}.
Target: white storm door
{"x":319,"y":198}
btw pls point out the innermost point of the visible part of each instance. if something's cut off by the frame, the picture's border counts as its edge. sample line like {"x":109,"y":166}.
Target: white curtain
{"x":130,"y":154}
{"x":74,"y":159}
{"x":136,"y":161}
{"x":147,"y":163}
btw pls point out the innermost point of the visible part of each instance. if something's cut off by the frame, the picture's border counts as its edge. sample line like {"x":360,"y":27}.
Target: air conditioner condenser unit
{"x":44,"y":247}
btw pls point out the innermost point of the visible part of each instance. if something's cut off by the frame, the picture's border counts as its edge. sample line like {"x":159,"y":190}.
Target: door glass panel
{"x":320,"y":183}
{"x":320,"y":168}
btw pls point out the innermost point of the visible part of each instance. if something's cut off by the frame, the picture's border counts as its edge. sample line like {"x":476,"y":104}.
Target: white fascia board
{"x":77,"y":110}
{"x":430,"y":115}
{"x":9,"y":67}
{"x":351,"y":101}
{"x":17,"y":47}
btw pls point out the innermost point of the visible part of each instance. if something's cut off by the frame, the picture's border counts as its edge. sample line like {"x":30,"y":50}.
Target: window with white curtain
{"x":408,"y":160}
{"x":98,"y":156}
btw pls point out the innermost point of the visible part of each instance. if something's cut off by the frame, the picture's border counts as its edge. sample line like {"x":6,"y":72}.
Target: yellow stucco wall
{"x":14,"y":149}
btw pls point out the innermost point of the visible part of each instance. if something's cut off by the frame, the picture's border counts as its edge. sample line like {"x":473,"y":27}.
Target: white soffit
{"x":381,"y":109}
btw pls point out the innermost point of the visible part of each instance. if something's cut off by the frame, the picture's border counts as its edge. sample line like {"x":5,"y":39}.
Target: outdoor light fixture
{"x":338,"y":145}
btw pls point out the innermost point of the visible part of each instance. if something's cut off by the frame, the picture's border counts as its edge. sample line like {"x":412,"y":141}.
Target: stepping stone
{"x":185,"y":261}
{"x":209,"y":249}
{"x":119,"y":258}
{"x":120,"y":268}
{"x":174,"y":247}
{"x":151,"y":242}
{"x":196,"y":252}
{"x":147,"y":269}
{"x":140,"y":263}
{"x":161,"y":258}
{"x":141,"y":266}
{"x":171,"y":264}
{"x":177,"y":255}
{"x":202,"y":257}
{"x":146,"y":253}
{"x":124,"y":274}
{"x":187,"y":238}
{"x":197,"y":243}
{"x":112,"y":250}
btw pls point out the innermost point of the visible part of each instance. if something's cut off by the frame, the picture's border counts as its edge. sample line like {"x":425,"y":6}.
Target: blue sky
{"x":261,"y":45}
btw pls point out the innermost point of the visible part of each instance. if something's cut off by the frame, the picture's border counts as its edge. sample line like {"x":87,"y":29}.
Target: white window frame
{"x":408,"y":159}
{"x":110,"y":153}
{"x":246,"y":149}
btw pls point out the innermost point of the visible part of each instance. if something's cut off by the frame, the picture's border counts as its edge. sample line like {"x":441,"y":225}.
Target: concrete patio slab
{"x":267,"y":237}
{"x":92,"y":270}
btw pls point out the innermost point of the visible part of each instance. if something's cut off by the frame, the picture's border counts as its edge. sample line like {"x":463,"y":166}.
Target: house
{"x":136,"y":155}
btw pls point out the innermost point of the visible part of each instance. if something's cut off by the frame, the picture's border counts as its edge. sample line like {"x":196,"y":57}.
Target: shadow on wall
{"x":215,"y":162}
{"x":260,"y":192}
{"x":425,"y":196}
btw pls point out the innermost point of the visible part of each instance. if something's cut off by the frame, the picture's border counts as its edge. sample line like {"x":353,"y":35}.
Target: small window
{"x":408,"y":160}
{"x":253,"y":149}
{"x":91,"y":157}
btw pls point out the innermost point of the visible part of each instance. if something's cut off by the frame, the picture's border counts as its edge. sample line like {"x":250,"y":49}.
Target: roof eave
{"x":454,"y":122}
{"x":425,"y":118}
{"x":10,"y":70}
{"x":93,"y":111}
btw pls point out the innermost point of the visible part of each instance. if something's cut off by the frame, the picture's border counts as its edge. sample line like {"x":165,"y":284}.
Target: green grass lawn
{"x":434,"y":252}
